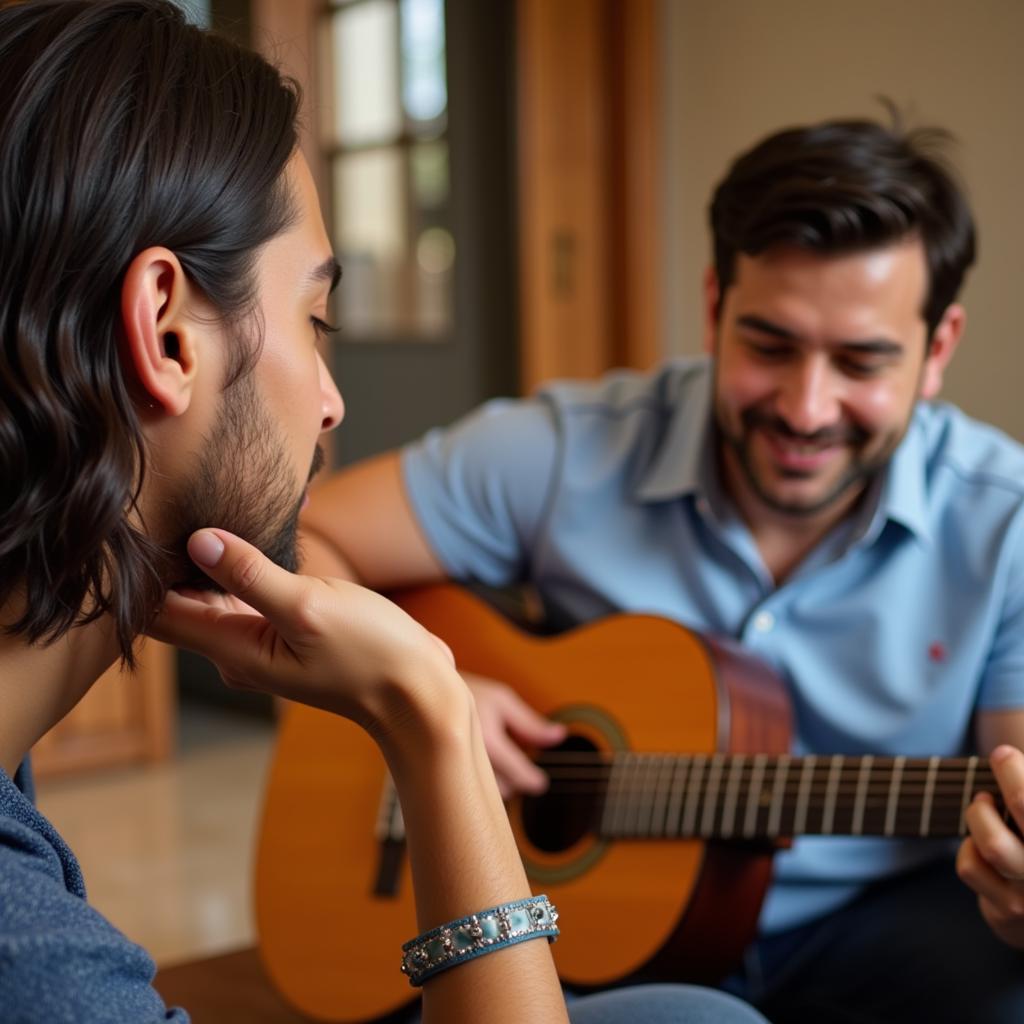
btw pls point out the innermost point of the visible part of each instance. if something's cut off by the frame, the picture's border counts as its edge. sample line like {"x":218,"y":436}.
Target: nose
{"x":808,"y":399}
{"x":331,"y":403}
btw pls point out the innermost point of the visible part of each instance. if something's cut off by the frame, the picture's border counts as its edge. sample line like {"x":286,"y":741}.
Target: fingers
{"x":991,"y":859}
{"x":505,"y":719}
{"x":1000,"y":849}
{"x":515,"y":772}
{"x":976,"y":872}
{"x":1000,"y":899}
{"x":221,"y":635}
{"x":529,"y":727}
{"x":216,"y":599}
{"x":244,"y":572}
{"x":1008,"y":766}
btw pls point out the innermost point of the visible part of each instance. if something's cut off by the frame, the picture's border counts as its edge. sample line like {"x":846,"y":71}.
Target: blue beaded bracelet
{"x":469,"y":937}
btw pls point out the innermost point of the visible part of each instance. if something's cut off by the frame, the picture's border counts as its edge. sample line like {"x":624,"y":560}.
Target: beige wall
{"x":738,"y":69}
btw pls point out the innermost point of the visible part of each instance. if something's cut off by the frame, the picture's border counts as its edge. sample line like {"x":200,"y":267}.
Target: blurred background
{"x":516,"y":190}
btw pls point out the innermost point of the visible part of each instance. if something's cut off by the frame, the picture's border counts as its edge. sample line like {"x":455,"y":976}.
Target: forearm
{"x":464,"y":859}
{"x":319,"y":557}
{"x":359,"y":525}
{"x":340,"y":647}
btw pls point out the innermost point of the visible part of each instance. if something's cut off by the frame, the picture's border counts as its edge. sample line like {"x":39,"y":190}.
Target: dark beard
{"x":245,"y":484}
{"x":859,"y":474}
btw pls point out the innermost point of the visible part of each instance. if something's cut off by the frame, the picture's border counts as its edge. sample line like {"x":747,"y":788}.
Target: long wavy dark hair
{"x":121,"y":127}
{"x":844,"y":186}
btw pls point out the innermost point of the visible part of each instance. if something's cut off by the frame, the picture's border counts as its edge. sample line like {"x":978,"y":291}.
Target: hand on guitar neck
{"x":991,"y":859}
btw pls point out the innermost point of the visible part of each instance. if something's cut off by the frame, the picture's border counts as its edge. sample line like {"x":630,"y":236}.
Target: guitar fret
{"x":680,"y":770}
{"x":835,"y":770}
{"x":665,"y":768}
{"x":804,"y":794}
{"x":929,"y":792}
{"x":754,"y":796}
{"x":612,"y":801}
{"x":734,"y":796}
{"x":634,"y":787}
{"x":893,"y":802}
{"x":778,"y":791}
{"x":732,"y":789}
{"x":863,"y":778}
{"x":965,"y":800}
{"x":693,"y":794}
{"x":649,"y":777}
{"x":628,"y":816}
{"x":707,"y":823}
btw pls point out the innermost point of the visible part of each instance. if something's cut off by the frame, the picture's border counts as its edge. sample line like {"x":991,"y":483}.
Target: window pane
{"x":365,"y":61}
{"x":424,"y":87}
{"x":393,"y":240}
{"x":430,"y":175}
{"x":390,"y":170}
{"x":370,"y":235}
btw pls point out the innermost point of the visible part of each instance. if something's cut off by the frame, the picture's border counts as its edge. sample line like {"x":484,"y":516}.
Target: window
{"x":385,"y":125}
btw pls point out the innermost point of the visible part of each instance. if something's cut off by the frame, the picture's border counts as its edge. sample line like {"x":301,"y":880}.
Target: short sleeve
{"x":480,"y":488}
{"x":1002,"y":685}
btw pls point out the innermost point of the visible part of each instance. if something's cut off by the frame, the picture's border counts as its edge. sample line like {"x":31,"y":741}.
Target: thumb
{"x":243,"y":571}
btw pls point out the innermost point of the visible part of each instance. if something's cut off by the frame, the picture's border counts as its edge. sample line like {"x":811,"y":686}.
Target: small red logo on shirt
{"x":937,"y":652}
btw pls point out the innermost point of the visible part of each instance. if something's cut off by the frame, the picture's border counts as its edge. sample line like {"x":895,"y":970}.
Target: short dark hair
{"x":121,"y":127}
{"x":844,"y":186}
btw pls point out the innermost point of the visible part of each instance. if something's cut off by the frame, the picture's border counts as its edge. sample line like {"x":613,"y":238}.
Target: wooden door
{"x":589,"y":101}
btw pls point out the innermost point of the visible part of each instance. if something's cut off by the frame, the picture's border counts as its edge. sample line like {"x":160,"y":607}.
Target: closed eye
{"x":322,"y":328}
{"x":768,"y":349}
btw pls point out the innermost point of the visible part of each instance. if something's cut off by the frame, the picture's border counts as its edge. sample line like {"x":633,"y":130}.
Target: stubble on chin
{"x":244,"y":483}
{"x":737,"y":453}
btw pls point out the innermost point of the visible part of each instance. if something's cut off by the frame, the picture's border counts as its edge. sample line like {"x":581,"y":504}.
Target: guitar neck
{"x":762,"y":797}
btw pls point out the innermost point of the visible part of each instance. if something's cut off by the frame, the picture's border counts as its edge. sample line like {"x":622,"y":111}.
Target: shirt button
{"x":764,"y":622}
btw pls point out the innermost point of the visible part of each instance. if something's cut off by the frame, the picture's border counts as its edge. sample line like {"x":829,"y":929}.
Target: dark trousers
{"x":910,"y":949}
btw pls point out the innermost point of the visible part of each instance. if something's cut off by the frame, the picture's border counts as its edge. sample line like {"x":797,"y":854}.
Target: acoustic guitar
{"x":655,"y":837}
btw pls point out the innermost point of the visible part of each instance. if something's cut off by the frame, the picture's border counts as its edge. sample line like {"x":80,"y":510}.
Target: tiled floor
{"x":167,"y":851}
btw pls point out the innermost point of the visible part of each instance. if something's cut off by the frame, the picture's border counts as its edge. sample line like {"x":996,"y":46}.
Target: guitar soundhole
{"x":567,"y":812}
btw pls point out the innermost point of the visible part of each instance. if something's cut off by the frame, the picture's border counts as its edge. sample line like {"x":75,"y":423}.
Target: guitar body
{"x":671,"y":909}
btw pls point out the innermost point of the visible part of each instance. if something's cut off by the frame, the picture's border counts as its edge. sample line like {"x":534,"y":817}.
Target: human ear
{"x":712,"y":298}
{"x":945,"y":339}
{"x":159,"y":340}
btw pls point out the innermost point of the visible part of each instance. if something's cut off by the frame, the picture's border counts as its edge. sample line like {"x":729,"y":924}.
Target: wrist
{"x":423,"y":714}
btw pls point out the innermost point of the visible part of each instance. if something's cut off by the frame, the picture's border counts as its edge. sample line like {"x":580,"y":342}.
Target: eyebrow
{"x":329,"y":270}
{"x":879,"y":346}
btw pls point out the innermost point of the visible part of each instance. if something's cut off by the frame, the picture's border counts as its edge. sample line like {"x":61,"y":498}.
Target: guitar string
{"x":881,"y":772}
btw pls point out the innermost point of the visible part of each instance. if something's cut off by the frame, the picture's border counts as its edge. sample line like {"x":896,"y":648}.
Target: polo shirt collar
{"x":684,"y":458}
{"x":904,"y":496}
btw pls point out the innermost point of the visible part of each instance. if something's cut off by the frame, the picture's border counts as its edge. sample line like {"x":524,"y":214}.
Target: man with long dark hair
{"x":798,"y":492}
{"x":164,"y":278}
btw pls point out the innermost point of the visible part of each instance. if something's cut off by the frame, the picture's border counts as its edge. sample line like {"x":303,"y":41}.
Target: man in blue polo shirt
{"x":799,"y":491}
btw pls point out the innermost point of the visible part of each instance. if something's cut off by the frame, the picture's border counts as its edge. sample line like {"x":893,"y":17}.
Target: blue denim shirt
{"x":61,"y":962}
{"x":901,"y":623}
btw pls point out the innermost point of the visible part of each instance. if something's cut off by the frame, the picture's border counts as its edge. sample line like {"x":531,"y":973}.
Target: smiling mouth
{"x":801,"y":456}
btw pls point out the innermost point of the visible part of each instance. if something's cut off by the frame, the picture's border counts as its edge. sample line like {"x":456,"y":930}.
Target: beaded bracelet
{"x":469,"y":937}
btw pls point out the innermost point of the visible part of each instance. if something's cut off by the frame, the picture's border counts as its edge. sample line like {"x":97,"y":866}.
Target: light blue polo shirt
{"x":903,"y":621}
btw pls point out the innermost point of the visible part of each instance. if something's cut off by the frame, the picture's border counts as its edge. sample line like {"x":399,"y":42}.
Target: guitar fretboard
{"x":735,"y":796}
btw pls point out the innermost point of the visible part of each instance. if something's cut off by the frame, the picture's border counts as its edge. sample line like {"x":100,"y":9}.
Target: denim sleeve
{"x":480,"y":488}
{"x":60,"y":960}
